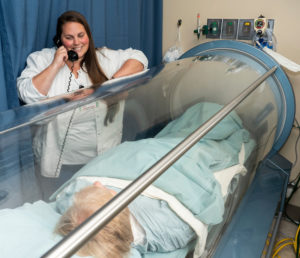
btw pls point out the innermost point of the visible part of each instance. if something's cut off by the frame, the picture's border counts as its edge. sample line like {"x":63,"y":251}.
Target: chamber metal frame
{"x":76,"y":239}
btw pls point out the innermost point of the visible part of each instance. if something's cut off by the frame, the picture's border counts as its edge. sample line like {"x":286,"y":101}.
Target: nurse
{"x":74,"y":137}
{"x":47,"y":72}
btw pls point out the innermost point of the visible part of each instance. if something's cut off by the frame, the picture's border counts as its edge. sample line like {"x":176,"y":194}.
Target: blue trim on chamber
{"x":269,"y":62}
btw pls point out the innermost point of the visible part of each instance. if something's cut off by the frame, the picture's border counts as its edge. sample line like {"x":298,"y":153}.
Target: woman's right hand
{"x":60,"y":57}
{"x":44,"y":79}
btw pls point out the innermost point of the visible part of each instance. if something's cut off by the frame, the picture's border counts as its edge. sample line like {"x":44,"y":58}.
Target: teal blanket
{"x":28,"y":231}
{"x":191,"y":178}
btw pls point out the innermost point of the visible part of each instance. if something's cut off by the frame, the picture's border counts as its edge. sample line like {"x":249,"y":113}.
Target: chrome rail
{"x":77,"y":238}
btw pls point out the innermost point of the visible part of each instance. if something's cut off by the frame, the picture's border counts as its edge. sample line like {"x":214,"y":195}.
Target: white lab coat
{"x":87,"y":135}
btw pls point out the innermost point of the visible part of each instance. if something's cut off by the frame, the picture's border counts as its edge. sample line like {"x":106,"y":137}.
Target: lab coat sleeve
{"x":36,"y":62}
{"x":112,"y":60}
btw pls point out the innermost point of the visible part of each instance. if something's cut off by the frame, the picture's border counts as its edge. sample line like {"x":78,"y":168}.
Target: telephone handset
{"x":72,"y":55}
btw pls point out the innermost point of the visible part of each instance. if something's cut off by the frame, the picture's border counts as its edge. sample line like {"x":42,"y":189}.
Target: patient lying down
{"x":181,"y":203}
{"x":170,"y":218}
{"x":128,"y":229}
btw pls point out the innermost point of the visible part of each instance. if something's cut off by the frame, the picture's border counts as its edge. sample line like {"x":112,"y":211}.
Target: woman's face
{"x":74,"y":37}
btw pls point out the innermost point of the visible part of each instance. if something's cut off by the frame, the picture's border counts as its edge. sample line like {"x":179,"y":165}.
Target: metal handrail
{"x":77,"y":238}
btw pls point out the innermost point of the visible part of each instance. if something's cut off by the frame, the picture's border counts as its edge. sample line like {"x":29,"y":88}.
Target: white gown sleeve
{"x":36,"y":62}
{"x":112,"y":60}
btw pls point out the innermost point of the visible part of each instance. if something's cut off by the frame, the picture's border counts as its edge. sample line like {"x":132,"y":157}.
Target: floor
{"x":286,"y":229}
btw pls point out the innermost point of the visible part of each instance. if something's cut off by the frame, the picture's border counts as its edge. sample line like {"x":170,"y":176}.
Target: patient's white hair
{"x":113,"y":240}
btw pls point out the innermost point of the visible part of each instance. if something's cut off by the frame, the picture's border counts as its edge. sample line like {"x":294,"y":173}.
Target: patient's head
{"x":114,"y":239}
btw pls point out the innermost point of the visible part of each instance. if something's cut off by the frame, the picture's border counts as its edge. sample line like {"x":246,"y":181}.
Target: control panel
{"x":214,"y":27}
{"x":240,"y":29}
{"x":245,"y":29}
{"x":229,"y":28}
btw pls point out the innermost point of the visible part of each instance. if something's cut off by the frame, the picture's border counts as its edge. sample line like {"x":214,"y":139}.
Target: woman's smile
{"x":74,"y":37}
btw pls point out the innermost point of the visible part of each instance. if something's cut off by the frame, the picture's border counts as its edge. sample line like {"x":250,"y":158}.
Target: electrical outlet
{"x":229,"y":28}
{"x":246,"y":29}
{"x":214,"y":28}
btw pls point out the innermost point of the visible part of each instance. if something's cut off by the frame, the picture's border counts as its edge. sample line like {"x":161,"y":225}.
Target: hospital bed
{"x":224,"y":110}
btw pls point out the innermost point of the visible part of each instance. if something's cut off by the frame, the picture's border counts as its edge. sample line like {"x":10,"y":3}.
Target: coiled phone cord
{"x":64,"y":144}
{"x":68,"y":127}
{"x":70,"y":77}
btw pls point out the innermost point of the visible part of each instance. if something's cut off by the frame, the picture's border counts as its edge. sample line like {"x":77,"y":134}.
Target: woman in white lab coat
{"x":76,"y":136}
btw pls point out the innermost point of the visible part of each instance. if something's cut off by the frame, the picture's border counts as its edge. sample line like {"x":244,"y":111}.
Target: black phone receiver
{"x":72,"y":55}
